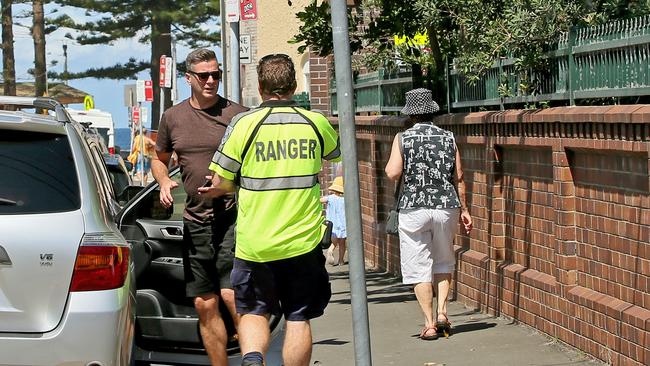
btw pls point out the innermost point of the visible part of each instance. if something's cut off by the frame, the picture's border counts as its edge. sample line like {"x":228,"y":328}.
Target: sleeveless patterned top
{"x":429,"y":155}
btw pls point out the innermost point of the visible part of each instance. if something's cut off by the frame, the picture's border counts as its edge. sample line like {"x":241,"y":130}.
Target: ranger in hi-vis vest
{"x":273,"y":154}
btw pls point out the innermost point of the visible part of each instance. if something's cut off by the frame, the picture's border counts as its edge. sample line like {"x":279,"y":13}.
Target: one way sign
{"x":245,"y":49}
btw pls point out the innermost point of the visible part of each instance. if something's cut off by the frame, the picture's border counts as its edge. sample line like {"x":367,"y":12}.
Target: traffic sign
{"x":168,"y":72}
{"x":139,"y":86}
{"x":232,"y":11}
{"x":148,"y":91}
{"x":163,"y":71}
{"x":144,"y":115}
{"x":248,"y":10}
{"x":245,"y":49}
{"x":89,"y":103}
{"x":135,"y":115}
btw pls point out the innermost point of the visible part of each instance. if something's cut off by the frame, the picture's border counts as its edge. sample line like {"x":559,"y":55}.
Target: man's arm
{"x":220,"y":186}
{"x":161,"y":175}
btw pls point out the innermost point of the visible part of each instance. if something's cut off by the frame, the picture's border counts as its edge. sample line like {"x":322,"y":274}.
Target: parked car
{"x":85,"y":280}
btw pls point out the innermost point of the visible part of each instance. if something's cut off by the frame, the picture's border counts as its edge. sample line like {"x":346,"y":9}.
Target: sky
{"x":108,"y":94}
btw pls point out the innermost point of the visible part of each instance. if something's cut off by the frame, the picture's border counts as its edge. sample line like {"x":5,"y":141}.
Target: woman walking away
{"x":432,"y":199}
{"x":335,"y":212}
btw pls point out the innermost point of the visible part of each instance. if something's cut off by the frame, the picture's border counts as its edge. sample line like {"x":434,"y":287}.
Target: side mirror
{"x":128,"y":165}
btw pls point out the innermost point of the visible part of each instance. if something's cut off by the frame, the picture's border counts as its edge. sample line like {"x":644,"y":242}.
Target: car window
{"x":105,"y":179}
{"x":149,"y":207}
{"x":37,"y":173}
{"x":179,"y":197}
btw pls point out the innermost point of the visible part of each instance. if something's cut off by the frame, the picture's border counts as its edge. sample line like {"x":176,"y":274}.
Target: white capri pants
{"x":426,"y":243}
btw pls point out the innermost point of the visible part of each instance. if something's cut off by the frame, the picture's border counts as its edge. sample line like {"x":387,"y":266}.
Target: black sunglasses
{"x":203,"y":76}
{"x":274,"y":56}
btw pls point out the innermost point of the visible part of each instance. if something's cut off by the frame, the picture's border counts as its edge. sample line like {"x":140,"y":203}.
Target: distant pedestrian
{"x":432,"y":199}
{"x":274,"y":154}
{"x":143,"y":161}
{"x":192,"y":130}
{"x":335,"y":212}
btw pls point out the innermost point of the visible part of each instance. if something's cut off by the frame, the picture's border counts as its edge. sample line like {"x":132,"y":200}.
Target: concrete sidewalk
{"x":395,"y":323}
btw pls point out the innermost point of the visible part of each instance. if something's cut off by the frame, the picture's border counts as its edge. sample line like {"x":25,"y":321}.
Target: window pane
{"x":37,"y":173}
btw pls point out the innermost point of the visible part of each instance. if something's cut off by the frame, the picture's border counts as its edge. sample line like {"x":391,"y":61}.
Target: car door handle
{"x":4,"y":257}
{"x":172,"y":232}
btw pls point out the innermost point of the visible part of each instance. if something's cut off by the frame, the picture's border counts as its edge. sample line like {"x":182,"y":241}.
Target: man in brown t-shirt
{"x":193,"y":130}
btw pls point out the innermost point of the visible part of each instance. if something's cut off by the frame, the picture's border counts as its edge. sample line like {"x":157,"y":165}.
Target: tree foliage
{"x":472,"y":33}
{"x":152,"y":22}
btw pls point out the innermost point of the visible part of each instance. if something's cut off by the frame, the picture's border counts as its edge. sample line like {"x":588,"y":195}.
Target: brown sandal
{"x":429,"y":333}
{"x":443,"y":326}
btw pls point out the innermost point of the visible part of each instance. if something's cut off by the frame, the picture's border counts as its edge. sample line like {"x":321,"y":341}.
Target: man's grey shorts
{"x":426,"y":242}
{"x":209,"y":250}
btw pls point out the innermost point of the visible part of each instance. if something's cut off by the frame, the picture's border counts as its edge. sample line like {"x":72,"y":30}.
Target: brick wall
{"x":561,"y":205}
{"x":319,"y":78}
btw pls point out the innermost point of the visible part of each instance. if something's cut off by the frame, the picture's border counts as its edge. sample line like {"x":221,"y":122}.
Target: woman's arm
{"x":465,"y":217}
{"x":395,"y":163}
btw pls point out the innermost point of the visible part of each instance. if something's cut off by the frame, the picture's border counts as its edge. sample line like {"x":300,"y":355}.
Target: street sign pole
{"x":141,"y":148}
{"x":161,"y":84}
{"x":232,"y":15}
{"x":345,"y":98}
{"x":224,"y":50}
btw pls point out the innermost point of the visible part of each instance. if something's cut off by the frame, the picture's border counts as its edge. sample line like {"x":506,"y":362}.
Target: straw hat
{"x":337,"y":185}
{"x":419,"y":101}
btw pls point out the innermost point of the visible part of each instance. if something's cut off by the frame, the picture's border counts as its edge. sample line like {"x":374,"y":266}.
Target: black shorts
{"x":209,"y":253}
{"x":298,"y":287}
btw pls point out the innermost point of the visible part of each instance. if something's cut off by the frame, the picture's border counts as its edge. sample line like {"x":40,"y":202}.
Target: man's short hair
{"x":199,"y":55}
{"x":276,"y":74}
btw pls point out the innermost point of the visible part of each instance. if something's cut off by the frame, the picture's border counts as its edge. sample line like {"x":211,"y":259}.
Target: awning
{"x":65,"y":94}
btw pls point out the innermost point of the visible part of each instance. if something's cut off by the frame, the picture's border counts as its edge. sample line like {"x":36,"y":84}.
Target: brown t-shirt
{"x":195,"y":134}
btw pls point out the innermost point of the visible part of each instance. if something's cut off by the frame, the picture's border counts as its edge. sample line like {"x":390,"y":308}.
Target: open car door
{"x":167,"y":329}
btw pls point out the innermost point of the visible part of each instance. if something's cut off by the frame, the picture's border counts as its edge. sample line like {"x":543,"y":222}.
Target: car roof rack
{"x":38,"y":102}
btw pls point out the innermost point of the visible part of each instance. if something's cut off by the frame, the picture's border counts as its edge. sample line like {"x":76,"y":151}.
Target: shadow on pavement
{"x":471,"y":327}
{"x":332,"y":342}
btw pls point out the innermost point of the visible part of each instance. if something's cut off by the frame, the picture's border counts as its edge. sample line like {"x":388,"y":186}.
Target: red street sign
{"x":161,"y":74}
{"x":136,"y":115}
{"x":148,"y":91}
{"x":248,"y":9}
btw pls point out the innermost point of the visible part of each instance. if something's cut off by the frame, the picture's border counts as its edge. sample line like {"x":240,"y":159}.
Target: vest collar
{"x":279,"y":103}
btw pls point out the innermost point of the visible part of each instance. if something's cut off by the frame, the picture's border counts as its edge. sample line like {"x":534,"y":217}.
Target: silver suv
{"x":84,"y":280}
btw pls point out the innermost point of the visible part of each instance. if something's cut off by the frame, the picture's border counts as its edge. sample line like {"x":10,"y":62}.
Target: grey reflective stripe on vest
{"x":336,"y":152}
{"x":226,"y":162}
{"x":285,"y":119}
{"x":278,"y":183}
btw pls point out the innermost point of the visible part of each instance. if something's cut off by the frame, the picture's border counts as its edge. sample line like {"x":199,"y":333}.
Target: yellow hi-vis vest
{"x":274,"y":154}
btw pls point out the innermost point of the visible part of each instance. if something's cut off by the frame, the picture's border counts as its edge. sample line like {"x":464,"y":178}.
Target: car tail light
{"x":111,"y":150}
{"x":102,"y":263}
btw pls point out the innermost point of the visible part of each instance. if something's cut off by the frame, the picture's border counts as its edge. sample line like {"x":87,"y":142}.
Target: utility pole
{"x":224,"y":49}
{"x":65,"y":64}
{"x":234,"y":62}
{"x":232,"y":17}
{"x":345,"y":99}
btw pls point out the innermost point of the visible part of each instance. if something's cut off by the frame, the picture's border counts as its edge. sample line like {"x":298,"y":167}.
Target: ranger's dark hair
{"x":199,"y":55}
{"x":276,"y":74}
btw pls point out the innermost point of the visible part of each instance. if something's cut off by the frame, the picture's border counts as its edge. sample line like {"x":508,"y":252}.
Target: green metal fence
{"x":610,"y":60}
{"x":377,"y":92}
{"x":302,"y":99}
